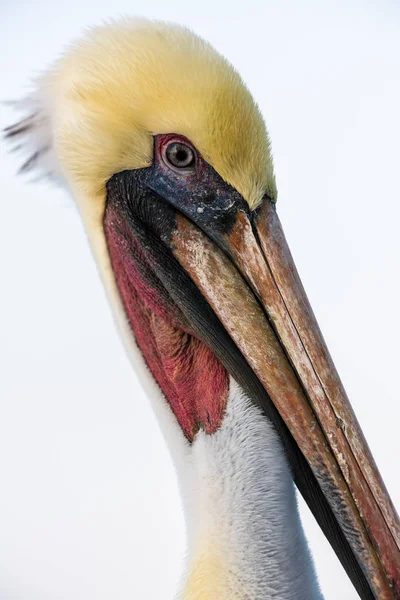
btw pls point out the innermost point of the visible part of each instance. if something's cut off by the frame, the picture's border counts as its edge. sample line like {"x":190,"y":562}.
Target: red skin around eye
{"x":162,"y":141}
{"x":192,"y":379}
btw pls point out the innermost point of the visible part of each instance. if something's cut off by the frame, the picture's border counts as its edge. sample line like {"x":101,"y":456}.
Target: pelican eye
{"x":179,"y":156}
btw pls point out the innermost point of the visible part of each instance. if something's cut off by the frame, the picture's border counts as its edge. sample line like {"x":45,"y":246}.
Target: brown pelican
{"x":168,"y":159}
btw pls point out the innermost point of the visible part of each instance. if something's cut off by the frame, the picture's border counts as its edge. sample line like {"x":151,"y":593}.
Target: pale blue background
{"x":89,"y":508}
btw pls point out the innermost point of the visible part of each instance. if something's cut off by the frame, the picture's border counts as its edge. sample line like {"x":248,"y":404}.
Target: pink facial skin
{"x":192,"y":379}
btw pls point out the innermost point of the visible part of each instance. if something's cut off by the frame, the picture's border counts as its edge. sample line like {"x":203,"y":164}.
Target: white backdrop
{"x":89,"y":507}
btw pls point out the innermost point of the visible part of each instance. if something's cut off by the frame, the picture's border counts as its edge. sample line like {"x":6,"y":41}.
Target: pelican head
{"x":168,"y":159}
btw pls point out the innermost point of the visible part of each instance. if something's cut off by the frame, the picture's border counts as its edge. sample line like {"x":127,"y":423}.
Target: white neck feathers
{"x":244,"y":532}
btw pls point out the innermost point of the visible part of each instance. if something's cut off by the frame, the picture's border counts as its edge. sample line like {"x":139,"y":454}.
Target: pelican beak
{"x":258,"y":296}
{"x":230,"y":273}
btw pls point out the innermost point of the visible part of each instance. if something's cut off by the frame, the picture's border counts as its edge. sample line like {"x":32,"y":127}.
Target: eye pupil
{"x":179,"y":155}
